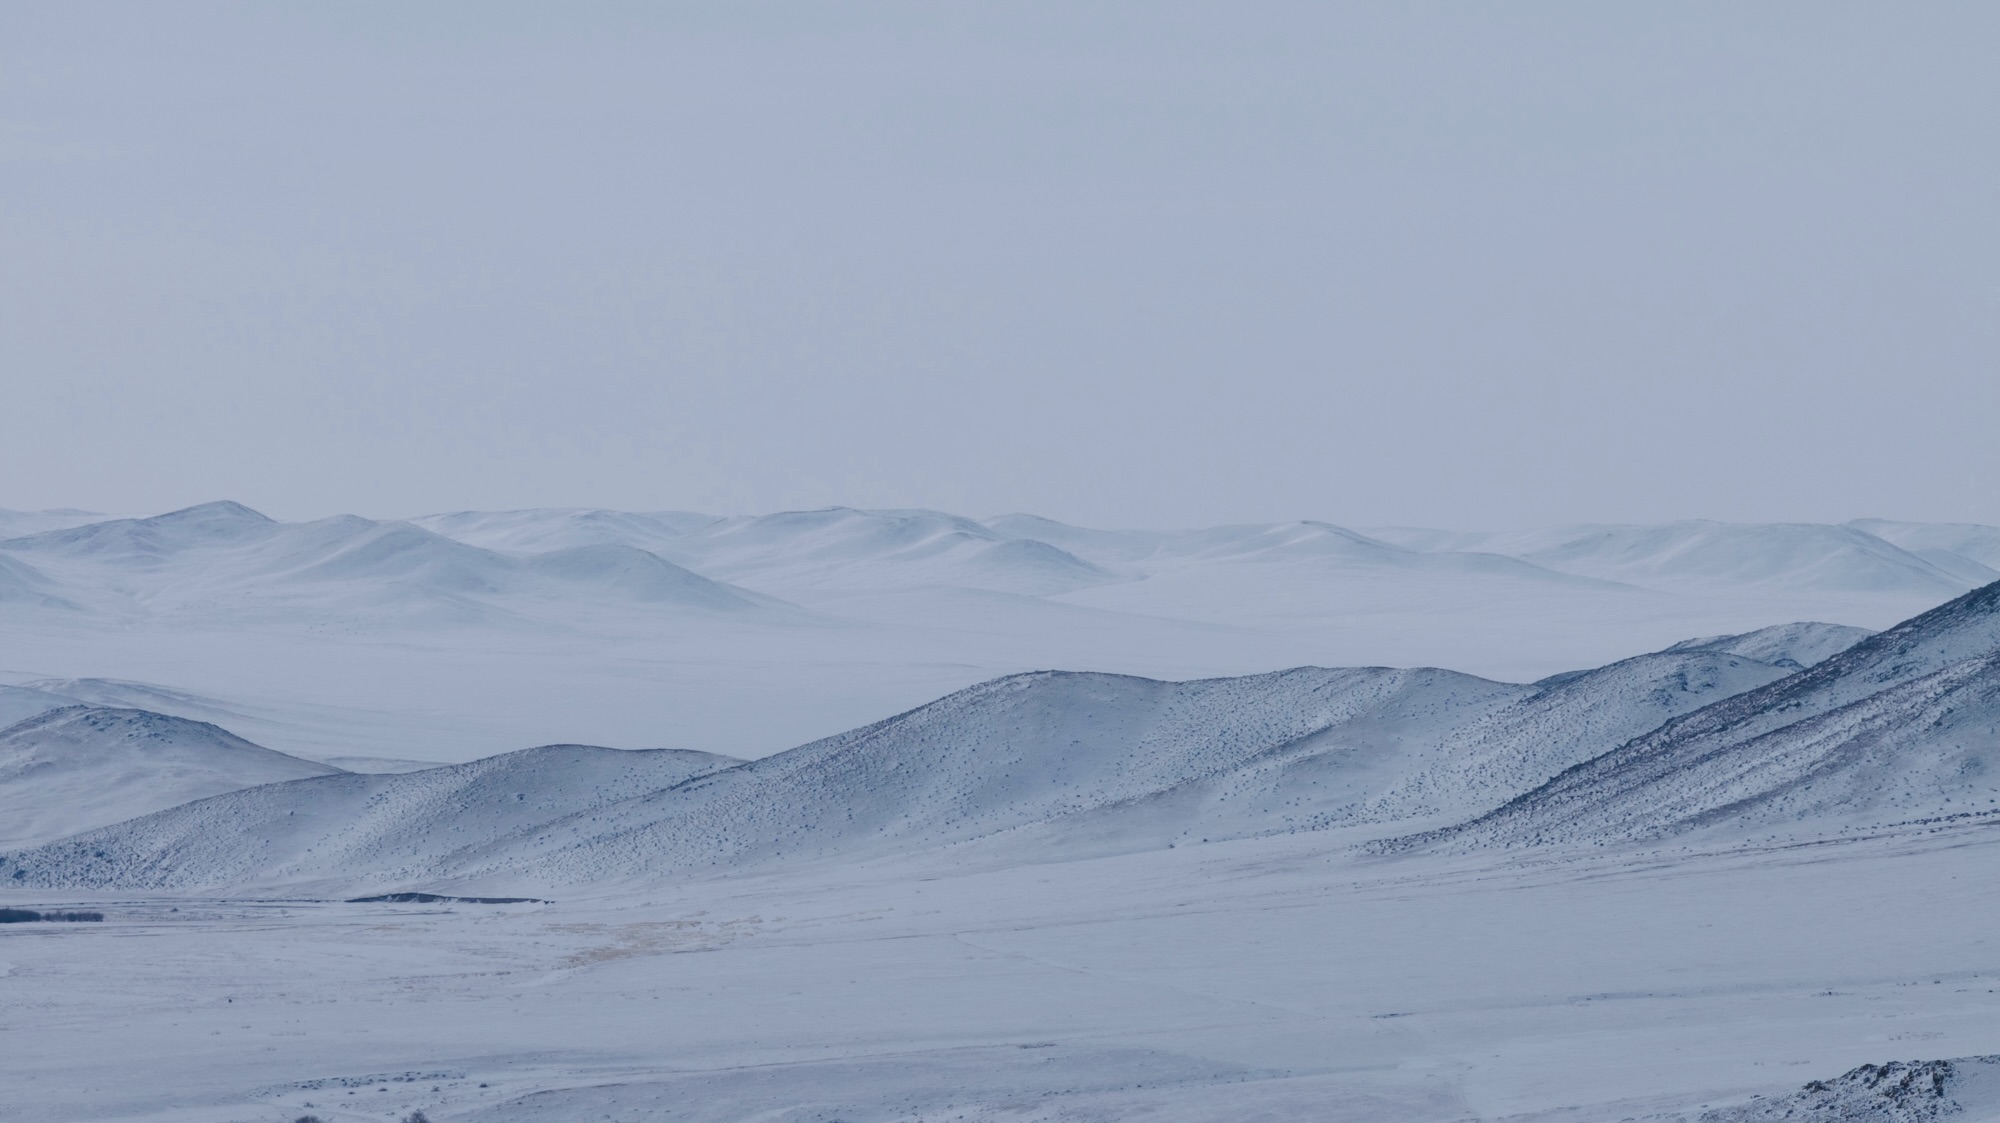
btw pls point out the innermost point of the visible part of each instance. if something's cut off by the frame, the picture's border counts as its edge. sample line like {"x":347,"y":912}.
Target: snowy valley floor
{"x":1271,"y":979}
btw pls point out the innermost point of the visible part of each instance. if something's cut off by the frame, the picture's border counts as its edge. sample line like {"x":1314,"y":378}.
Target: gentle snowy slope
{"x":383,"y":827}
{"x":79,"y":767}
{"x":1903,"y":725}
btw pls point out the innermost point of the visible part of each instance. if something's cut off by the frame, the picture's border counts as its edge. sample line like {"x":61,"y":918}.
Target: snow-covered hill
{"x":1051,"y":762}
{"x":387,"y":828}
{"x":1904,"y":725}
{"x":77,"y":767}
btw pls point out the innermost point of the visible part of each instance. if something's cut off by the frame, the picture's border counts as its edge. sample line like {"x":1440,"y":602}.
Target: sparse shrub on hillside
{"x":416,"y":1117}
{"x":24,"y":916}
{"x":308,"y":1119}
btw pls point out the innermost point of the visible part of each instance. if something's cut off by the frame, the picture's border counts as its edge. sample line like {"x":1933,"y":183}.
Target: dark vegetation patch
{"x":24,"y":916}
{"x":435,"y":898}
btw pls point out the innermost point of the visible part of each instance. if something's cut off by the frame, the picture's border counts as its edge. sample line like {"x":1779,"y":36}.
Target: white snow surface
{"x":1261,"y":979}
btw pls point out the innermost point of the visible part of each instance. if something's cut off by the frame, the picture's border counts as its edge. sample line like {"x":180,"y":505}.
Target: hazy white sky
{"x":1131,"y":264}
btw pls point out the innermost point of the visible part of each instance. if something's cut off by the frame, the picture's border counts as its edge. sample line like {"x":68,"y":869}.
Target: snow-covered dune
{"x":77,"y":767}
{"x":1903,"y":725}
{"x":356,"y":828}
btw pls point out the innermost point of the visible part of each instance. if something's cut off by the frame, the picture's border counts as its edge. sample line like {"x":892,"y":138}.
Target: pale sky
{"x":1471,"y":265}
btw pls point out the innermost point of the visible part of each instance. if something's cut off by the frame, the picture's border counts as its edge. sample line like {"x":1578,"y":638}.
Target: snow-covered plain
{"x":1259,"y":979}
{"x":1708,"y":876}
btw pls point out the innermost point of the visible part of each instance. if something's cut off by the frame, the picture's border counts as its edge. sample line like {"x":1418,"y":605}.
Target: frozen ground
{"x":1261,"y":979}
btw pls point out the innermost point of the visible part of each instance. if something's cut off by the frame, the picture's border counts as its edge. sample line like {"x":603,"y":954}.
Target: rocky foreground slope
{"x":1966,"y":1088}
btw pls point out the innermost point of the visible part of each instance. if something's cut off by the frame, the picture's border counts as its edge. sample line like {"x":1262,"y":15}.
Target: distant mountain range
{"x":221,"y":559}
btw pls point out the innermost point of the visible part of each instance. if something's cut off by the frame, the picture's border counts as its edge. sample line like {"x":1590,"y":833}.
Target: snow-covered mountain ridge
{"x":1030,"y":763}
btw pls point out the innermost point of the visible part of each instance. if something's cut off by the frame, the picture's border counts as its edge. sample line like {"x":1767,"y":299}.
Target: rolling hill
{"x":383,"y":827}
{"x":76,"y":767}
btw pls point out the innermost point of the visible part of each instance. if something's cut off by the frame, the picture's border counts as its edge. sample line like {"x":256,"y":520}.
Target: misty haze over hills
{"x":449,"y":636}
